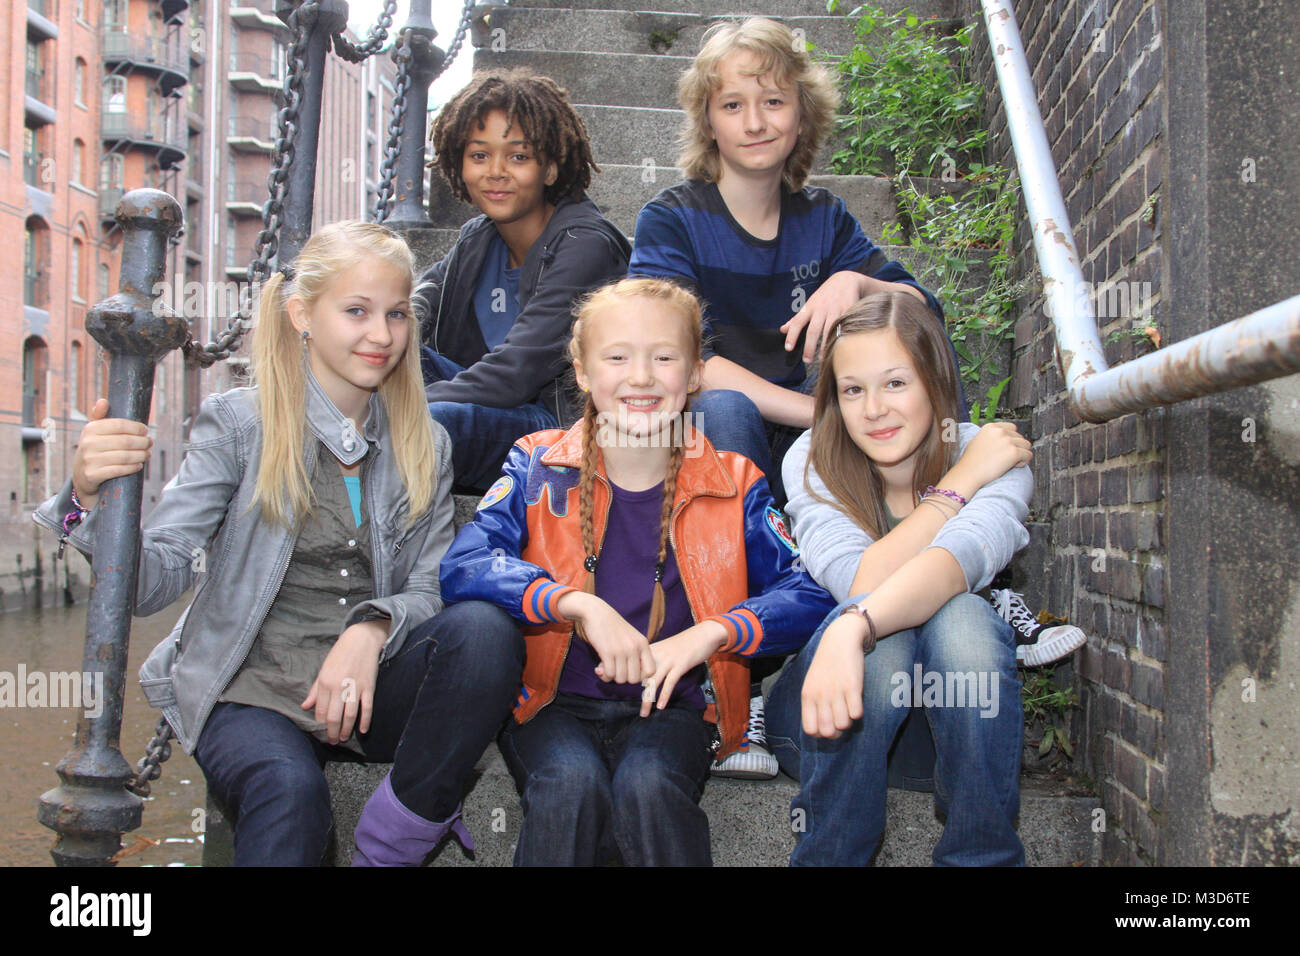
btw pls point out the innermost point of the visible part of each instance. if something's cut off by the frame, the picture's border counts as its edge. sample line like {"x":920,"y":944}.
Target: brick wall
{"x":1099,"y":495}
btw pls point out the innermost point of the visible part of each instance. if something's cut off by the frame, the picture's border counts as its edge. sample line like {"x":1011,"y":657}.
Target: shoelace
{"x":757,"y":728}
{"x":1011,"y":606}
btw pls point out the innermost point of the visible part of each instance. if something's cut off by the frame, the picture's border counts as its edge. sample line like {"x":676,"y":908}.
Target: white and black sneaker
{"x":1036,"y":643}
{"x":753,"y":761}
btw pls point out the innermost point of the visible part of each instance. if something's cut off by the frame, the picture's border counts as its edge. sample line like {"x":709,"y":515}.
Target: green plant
{"x":910,"y":104}
{"x":1048,"y":706}
{"x":907,"y":98}
{"x":988,"y":412}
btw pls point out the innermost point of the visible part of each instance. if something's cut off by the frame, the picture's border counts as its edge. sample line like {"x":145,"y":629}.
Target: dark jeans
{"x":481,"y":436}
{"x":839,"y":812}
{"x":732,"y":422}
{"x":438,"y":704}
{"x":599,"y":782}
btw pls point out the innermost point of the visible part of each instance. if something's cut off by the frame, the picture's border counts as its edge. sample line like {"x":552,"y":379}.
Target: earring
{"x":305,"y":336}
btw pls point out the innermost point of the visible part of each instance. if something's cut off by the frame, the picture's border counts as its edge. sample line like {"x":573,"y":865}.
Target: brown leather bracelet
{"x":869,"y":644}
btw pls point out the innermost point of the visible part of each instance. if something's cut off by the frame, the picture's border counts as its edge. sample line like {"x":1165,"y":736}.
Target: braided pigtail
{"x":665,"y":524}
{"x":586,"y":501}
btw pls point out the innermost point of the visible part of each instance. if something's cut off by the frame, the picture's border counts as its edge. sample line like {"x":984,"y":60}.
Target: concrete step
{"x":621,"y":190}
{"x":615,"y":79}
{"x":749,"y":821}
{"x":626,"y":31}
{"x":629,"y":135}
{"x":767,"y":8}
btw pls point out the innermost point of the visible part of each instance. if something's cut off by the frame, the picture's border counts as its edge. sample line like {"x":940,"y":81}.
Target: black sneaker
{"x":1036,"y":643}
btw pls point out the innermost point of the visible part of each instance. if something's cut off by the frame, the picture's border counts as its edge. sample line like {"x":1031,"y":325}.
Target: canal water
{"x":34,"y":738}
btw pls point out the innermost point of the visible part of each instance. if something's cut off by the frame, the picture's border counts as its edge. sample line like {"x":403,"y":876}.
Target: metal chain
{"x":356,"y":52}
{"x":462,"y":29}
{"x":403,"y":57}
{"x":387,"y":170}
{"x":149,"y":769}
{"x":268,"y":240}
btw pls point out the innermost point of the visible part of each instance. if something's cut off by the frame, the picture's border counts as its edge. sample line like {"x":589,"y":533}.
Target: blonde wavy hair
{"x":783,"y":55}
{"x":283,"y":486}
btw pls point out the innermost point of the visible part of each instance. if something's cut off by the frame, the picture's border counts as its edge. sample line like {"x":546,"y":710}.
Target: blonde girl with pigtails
{"x":321,"y":499}
{"x":642,"y":564}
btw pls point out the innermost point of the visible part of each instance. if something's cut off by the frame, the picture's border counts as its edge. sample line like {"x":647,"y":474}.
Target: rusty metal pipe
{"x":1252,"y":349}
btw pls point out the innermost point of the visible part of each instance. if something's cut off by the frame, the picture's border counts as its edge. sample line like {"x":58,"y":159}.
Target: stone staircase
{"x":620,"y":64}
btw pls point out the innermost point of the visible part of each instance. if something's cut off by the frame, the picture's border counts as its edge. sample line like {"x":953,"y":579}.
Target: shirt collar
{"x":334,"y":429}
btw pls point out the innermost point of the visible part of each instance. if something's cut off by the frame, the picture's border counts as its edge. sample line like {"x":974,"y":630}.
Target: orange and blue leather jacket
{"x":735,"y":556}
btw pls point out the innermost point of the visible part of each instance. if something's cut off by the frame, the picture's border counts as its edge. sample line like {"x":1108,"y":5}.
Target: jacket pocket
{"x":156,"y":672}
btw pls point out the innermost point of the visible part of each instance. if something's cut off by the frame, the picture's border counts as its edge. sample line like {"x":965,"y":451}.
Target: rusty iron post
{"x":426,"y":60}
{"x":91,"y":808}
{"x":321,"y":20}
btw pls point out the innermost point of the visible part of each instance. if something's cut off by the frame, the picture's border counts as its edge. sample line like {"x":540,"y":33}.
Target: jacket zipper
{"x":695,"y":619}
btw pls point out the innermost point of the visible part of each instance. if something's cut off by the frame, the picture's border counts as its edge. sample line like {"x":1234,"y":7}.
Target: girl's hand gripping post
{"x":108,"y":448}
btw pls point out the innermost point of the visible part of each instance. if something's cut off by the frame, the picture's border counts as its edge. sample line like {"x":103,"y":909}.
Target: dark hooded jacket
{"x":579,"y":250}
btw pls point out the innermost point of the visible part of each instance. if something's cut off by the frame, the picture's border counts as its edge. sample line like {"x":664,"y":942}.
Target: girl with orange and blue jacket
{"x":646,"y":567}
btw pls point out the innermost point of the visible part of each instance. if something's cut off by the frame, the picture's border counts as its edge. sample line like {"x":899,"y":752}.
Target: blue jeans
{"x":839,"y":812}
{"x":481,"y":436}
{"x":438,"y":704}
{"x":599,"y":782}
{"x":732,"y":422}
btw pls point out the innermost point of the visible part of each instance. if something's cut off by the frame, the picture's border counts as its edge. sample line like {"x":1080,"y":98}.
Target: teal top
{"x":354,"y":496}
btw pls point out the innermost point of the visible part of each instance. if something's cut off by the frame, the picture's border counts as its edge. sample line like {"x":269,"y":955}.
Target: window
{"x":79,"y":10}
{"x":34,"y":71}
{"x":110,"y":171}
{"x":33,"y":262}
{"x":74,"y":270}
{"x":79,"y":82}
{"x":115,"y":94}
{"x":115,"y":15}
{"x":78,"y":158}
{"x":102,"y":286}
{"x":279,"y":60}
{"x":74,"y":377}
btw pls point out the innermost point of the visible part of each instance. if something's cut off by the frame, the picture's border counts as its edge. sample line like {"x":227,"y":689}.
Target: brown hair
{"x":852,"y":478}
{"x":542,"y":110}
{"x":687,"y":307}
{"x":779,"y":52}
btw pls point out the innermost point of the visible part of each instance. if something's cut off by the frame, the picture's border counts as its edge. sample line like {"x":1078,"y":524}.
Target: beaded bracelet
{"x":932,"y":490}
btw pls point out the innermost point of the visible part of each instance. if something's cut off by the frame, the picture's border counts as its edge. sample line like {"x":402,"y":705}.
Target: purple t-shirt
{"x":625,"y":580}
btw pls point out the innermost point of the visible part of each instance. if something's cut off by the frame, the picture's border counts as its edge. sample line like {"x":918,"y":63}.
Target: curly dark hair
{"x":541,"y":108}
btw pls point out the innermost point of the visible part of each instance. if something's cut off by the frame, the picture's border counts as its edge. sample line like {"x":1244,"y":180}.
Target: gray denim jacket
{"x":204,"y":529}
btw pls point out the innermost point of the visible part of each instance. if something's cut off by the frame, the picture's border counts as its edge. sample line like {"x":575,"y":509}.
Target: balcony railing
{"x":109,"y":196}
{"x":267,"y":69}
{"x":250,"y":194}
{"x":143,"y":129}
{"x":33,"y":289}
{"x":147,"y":51}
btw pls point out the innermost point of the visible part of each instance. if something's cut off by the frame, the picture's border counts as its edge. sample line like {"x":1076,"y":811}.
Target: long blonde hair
{"x":852,"y":478}
{"x":779,"y":52}
{"x":283,"y":486}
{"x":674,"y":299}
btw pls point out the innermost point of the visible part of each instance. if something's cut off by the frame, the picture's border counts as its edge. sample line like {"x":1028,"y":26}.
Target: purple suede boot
{"x":389,"y":834}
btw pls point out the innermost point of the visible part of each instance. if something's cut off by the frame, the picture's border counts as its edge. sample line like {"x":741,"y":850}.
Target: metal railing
{"x":1249,"y":350}
{"x":150,"y":51}
{"x":145,"y":129}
